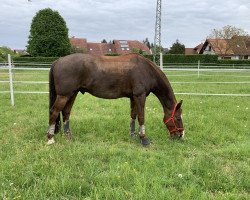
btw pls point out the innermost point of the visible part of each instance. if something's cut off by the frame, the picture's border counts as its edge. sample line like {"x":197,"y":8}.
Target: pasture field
{"x":103,"y":162}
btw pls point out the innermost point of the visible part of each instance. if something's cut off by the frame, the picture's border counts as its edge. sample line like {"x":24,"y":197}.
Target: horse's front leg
{"x":140,"y":106}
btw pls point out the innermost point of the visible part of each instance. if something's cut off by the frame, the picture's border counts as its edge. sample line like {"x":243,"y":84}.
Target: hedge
{"x":168,"y":58}
{"x":234,"y":62}
{"x":181,"y":58}
{"x":35,"y":59}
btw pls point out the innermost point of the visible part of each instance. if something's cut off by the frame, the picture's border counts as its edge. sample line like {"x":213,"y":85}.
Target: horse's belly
{"x":110,"y":94}
{"x":108,"y":91}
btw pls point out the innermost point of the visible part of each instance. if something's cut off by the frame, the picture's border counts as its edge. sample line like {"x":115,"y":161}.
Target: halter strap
{"x":171,"y":118}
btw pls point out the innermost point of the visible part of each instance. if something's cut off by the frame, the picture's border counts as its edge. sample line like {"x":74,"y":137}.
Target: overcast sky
{"x":190,"y":21}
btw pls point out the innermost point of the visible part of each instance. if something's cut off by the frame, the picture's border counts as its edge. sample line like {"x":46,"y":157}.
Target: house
{"x":99,"y":48}
{"x":236,"y":48}
{"x":78,"y":43}
{"x":195,"y":50}
{"x":127,"y":46}
{"x":21,"y":52}
{"x":115,"y":47}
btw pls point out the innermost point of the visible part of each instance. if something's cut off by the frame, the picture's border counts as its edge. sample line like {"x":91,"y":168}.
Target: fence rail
{"x":165,"y":65}
{"x":195,"y":69}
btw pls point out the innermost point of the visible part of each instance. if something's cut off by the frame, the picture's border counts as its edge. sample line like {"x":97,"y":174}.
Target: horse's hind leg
{"x":140,"y":106}
{"x":133,"y":117}
{"x":66,"y":114}
{"x":55,"y":110}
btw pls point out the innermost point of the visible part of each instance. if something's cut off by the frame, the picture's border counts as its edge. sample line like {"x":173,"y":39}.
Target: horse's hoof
{"x":145,"y":141}
{"x":51,"y":141}
{"x":68,"y":136}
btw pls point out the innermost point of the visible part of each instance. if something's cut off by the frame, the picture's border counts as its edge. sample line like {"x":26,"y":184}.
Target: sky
{"x":189,"y":21}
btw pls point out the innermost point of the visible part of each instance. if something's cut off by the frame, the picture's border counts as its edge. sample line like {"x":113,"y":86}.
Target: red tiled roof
{"x":99,"y":48}
{"x":241,"y":45}
{"x":132,"y":44}
{"x":238,"y":45}
{"x":78,"y":42}
{"x":118,"y":46}
{"x":195,"y":50}
{"x":198,"y":47}
{"x":220,"y":46}
{"x":189,"y":51}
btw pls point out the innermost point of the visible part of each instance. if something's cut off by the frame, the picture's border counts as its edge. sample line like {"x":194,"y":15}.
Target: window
{"x":124,"y":44}
{"x":110,"y":50}
{"x":90,"y":49}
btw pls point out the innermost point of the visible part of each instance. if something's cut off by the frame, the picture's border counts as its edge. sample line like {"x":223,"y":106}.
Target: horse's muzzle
{"x":177,"y":135}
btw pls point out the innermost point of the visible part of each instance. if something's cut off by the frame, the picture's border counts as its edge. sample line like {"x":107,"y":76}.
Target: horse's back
{"x":102,"y":76}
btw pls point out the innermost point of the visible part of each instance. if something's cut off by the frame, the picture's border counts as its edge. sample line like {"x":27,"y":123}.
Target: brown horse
{"x":108,"y":77}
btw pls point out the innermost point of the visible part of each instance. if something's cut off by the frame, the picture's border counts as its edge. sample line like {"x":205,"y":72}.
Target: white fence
{"x":197,"y":70}
{"x":11,"y":68}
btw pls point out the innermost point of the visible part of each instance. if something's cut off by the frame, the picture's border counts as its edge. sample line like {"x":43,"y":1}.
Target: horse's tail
{"x":52,"y":97}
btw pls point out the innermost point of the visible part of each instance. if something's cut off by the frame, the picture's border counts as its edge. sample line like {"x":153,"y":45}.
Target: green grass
{"x":103,"y":162}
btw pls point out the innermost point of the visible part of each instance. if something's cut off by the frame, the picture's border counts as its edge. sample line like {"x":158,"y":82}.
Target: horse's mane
{"x":154,"y":67}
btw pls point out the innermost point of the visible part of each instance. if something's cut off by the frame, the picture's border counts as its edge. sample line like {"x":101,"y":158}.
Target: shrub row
{"x":35,"y":59}
{"x":180,"y":58}
{"x":233,"y":62}
{"x":168,"y":58}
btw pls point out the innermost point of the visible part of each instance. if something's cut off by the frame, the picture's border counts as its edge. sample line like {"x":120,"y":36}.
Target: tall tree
{"x":177,"y":48}
{"x":48,"y":35}
{"x":228,"y":38}
{"x":147,"y":43}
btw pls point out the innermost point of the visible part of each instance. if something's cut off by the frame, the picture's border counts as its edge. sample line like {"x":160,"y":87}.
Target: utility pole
{"x":157,"y":39}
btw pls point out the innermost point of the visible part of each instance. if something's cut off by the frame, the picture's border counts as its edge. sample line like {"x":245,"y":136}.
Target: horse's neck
{"x":165,"y":95}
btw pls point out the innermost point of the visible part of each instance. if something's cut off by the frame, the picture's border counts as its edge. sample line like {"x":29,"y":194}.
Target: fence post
{"x":198,"y":71}
{"x":11,"y":81}
{"x":161,"y":61}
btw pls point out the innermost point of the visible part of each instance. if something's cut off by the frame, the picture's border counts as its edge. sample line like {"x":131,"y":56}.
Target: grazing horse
{"x":111,"y":77}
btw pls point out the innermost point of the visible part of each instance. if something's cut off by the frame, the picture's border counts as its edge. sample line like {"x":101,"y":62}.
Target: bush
{"x":180,"y":58}
{"x":234,"y":62}
{"x":112,"y":54}
{"x":35,"y":59}
{"x":4,"y":51}
{"x":150,"y":57}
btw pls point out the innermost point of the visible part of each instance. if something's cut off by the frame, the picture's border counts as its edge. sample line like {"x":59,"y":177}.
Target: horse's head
{"x":174,"y":123}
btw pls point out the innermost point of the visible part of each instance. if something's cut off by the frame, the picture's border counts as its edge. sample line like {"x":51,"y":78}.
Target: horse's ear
{"x":178,"y":105}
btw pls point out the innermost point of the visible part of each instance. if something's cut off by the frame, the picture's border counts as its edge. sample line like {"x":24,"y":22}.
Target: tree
{"x":177,"y":48}
{"x":137,"y":50}
{"x":104,"y":41}
{"x":226,"y":40}
{"x":48,"y":35}
{"x":74,"y":49}
{"x":147,"y":43}
{"x":4,"y":51}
